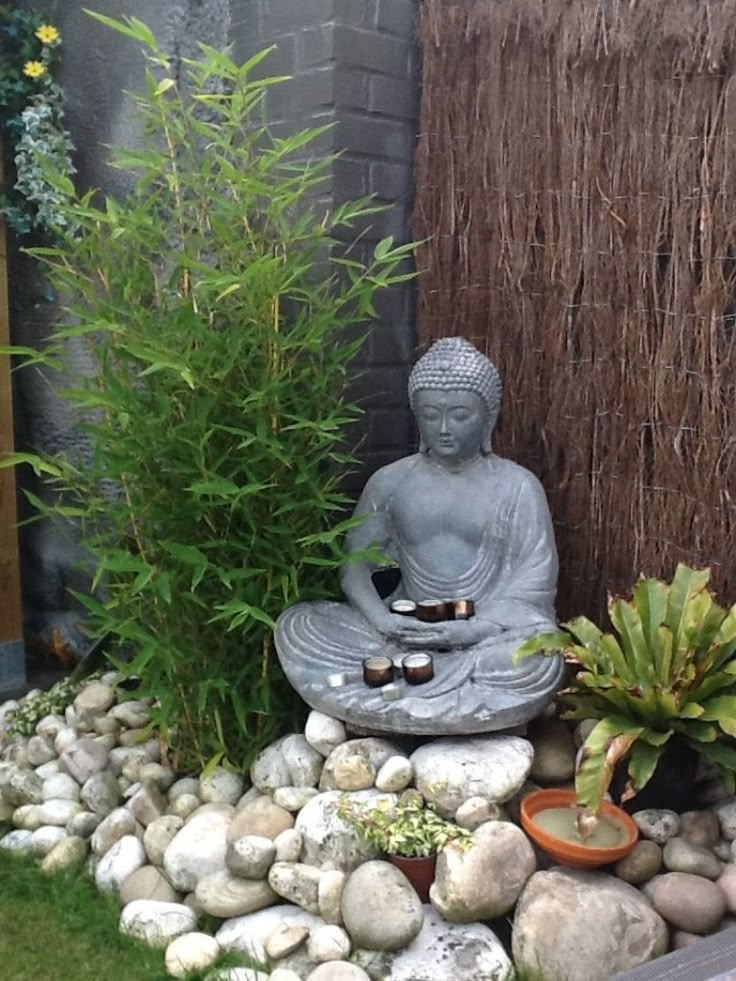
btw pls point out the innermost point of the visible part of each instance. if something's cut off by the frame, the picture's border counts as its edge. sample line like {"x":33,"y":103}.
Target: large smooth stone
{"x":118,"y":823}
{"x":554,"y":751}
{"x":251,"y":857}
{"x":297,"y":883}
{"x":199,"y":848}
{"x":82,"y":759}
{"x":584,"y":926}
{"x":726,"y":813}
{"x":225,"y":896}
{"x":156,"y":924}
{"x":464,"y":892}
{"x":335,"y":971}
{"x":328,"y":841}
{"x":700,"y":828}
{"x":689,"y":902}
{"x":442,"y":952}
{"x":657,"y":824}
{"x":348,"y":756}
{"x":449,"y":771}
{"x":93,"y":700}
{"x":147,"y":882}
{"x":380,"y":909}
{"x":66,"y":854}
{"x":189,"y":953}
{"x":269,"y":770}
{"x":260,"y":817}
{"x":641,"y":864}
{"x":158,"y":836}
{"x":101,"y":793}
{"x":19,"y":786}
{"x":248,"y":934}
{"x":60,"y":786}
{"x":682,"y":856}
{"x":121,"y":861}
{"x":221,"y":787}
{"x":303,"y":761}
{"x":324,"y":733}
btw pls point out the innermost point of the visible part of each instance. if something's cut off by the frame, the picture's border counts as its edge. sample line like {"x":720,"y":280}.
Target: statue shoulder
{"x":517,"y":479}
{"x":381,"y":485}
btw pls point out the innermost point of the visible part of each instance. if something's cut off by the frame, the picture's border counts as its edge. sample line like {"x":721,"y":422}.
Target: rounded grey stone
{"x":156,"y":924}
{"x":121,"y":861}
{"x":680,"y":856}
{"x":225,"y":896}
{"x":641,"y":864}
{"x":464,"y":892}
{"x":657,"y":824}
{"x":450,"y":770}
{"x":324,"y":733}
{"x":101,"y":793}
{"x":116,"y":825}
{"x":250,"y":857}
{"x":608,"y":926}
{"x":220,"y":787}
{"x":329,"y":943}
{"x":189,"y":953}
{"x":147,"y":883}
{"x":688,"y":902}
{"x":380,"y":909}
{"x":158,"y":836}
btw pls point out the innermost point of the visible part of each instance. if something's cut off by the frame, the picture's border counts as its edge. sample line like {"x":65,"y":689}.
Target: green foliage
{"x":34,"y":136}
{"x":81,"y":936}
{"x":25,"y":718}
{"x":213,"y":302}
{"x":410,"y":828}
{"x":669,"y":670}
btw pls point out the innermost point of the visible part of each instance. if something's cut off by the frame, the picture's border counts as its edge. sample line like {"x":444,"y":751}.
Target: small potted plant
{"x":410,"y":833}
{"x":667,"y":678}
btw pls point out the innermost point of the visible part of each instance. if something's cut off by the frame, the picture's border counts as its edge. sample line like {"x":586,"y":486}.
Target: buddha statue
{"x":460,"y":524}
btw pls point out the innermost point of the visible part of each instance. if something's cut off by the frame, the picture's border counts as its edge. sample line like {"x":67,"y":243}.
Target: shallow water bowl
{"x":571,"y":853}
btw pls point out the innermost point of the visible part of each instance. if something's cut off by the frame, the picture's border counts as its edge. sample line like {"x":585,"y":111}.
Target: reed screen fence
{"x":576,"y":187}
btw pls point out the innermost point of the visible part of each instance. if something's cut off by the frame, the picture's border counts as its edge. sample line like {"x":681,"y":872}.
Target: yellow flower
{"x":34,"y":69}
{"x":47,"y":34}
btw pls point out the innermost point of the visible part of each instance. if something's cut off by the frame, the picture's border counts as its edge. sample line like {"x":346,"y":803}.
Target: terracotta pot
{"x":419,"y":871}
{"x":567,"y":852}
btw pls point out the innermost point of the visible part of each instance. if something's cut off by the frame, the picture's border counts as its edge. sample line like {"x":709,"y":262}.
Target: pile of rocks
{"x":295,"y":889}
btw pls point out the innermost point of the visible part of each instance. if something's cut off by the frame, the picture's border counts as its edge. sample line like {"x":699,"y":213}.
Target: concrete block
{"x":390,"y":97}
{"x":350,"y":87}
{"x":393,"y":181}
{"x":375,"y":136}
{"x":397,"y":17}
{"x":356,"y":13}
{"x":317,"y":45}
{"x":372,"y":51}
{"x":280,"y":16}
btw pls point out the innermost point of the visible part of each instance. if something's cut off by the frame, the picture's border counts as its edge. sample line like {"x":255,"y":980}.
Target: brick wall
{"x":354,"y":64}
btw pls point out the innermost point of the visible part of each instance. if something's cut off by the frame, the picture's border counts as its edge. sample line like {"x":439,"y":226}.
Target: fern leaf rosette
{"x":668,"y":670}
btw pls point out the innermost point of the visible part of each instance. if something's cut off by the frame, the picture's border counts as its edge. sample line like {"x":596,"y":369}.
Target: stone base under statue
{"x":474,"y":689}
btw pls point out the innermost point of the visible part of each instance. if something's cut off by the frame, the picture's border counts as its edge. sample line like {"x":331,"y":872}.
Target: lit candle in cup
{"x":404,"y":608}
{"x":377,"y":671}
{"x":418,"y":668}
{"x":432,"y":610}
{"x":464,"y":609}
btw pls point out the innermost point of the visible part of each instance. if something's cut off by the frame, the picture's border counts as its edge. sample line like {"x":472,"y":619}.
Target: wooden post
{"x":12,"y":650}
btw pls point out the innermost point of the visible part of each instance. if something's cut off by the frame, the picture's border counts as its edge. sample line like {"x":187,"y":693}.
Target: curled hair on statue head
{"x":453,"y":364}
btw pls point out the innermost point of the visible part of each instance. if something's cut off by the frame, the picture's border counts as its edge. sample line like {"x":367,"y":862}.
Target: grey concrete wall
{"x":354,"y":65}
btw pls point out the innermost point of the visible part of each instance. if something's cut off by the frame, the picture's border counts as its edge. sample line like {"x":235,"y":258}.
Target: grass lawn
{"x":59,"y":928}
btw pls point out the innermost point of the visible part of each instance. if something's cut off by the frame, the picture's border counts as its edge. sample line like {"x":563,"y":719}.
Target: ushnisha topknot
{"x":454,"y":364}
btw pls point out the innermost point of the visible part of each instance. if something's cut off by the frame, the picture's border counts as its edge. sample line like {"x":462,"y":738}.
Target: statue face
{"x":451,"y":424}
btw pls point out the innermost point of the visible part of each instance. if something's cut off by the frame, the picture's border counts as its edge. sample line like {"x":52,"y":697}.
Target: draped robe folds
{"x":511,"y":578}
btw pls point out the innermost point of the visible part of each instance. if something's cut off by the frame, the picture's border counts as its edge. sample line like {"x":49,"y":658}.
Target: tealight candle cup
{"x":464,"y":609}
{"x":418,"y":668}
{"x":404,"y":608}
{"x":378,"y":671}
{"x":432,"y":610}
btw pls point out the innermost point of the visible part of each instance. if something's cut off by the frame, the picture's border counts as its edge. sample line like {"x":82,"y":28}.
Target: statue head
{"x":453,"y":364}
